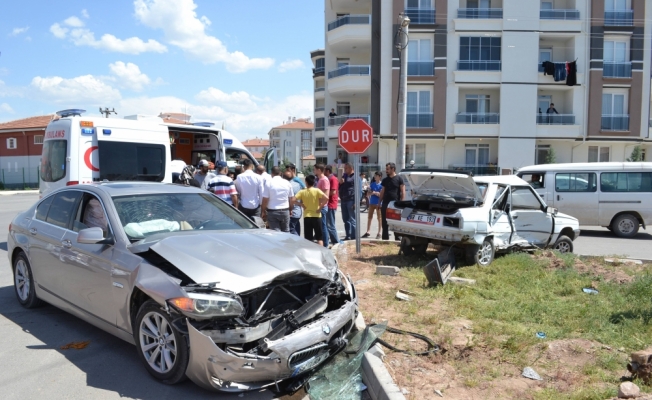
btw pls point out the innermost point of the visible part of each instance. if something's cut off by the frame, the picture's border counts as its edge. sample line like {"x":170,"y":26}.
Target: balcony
{"x":421,"y":68}
{"x":477,"y":118}
{"x":556,"y":119}
{"x":320,"y":89}
{"x":349,"y":80}
{"x":480,"y":13}
{"x":477,"y":170}
{"x":350,"y":70}
{"x":559,"y":14}
{"x":478,"y":65}
{"x":420,"y":120}
{"x":612,"y":69}
{"x":339,"y":120}
{"x":350,"y":33}
{"x":619,"y":18}
{"x":615,"y":123}
{"x":317,"y":109}
{"x":420,"y":16}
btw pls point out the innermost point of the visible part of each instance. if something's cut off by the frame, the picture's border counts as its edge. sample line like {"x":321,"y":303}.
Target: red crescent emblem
{"x":87,"y":158}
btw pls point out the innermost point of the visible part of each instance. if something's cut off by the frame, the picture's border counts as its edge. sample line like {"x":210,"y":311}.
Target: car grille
{"x":305,"y":354}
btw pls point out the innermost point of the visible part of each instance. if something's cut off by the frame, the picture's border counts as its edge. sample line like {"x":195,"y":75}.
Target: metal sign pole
{"x":358,"y":189}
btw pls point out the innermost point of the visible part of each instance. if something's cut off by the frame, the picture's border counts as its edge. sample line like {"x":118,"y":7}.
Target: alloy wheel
{"x":21,"y":279}
{"x":485,"y":253}
{"x":563,"y":247}
{"x":157,"y":342}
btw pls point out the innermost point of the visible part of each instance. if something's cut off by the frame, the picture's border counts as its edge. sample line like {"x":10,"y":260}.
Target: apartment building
{"x":257,"y":147}
{"x":478,"y":95}
{"x":293,"y":140}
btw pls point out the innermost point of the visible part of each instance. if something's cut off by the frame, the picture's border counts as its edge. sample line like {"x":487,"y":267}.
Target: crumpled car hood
{"x":245,"y":260}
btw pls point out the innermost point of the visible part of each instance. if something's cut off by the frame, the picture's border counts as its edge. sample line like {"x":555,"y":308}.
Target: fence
{"x":19,"y":178}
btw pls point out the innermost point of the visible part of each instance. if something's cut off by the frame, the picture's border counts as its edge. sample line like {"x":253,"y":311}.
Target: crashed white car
{"x":481,"y":216}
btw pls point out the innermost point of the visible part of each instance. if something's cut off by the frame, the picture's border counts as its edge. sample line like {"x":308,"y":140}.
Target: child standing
{"x":312,"y":201}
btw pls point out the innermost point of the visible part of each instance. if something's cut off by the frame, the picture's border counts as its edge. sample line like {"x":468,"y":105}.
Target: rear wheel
{"x":625,"y":225}
{"x":24,"y":282}
{"x":413,"y":249}
{"x":563,"y":245}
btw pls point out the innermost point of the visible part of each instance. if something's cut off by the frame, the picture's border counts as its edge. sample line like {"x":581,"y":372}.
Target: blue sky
{"x":243,"y":62}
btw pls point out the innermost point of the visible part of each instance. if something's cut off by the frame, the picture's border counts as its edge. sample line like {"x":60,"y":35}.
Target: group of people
{"x":282,"y":199}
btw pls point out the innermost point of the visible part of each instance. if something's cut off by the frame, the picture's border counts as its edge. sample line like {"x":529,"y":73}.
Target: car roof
{"x":502,"y":179}
{"x":600,"y":166}
{"x":115,"y":189}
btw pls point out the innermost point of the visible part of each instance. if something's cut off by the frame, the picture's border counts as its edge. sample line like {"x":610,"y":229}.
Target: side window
{"x":90,"y":214}
{"x":626,"y":182}
{"x":576,"y":182}
{"x":523,"y":198}
{"x":501,"y":199}
{"x":62,"y":208}
{"x":536,"y":180}
{"x":131,"y":161}
{"x":42,"y":209}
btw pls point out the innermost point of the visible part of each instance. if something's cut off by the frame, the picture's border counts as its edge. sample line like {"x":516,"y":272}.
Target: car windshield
{"x":148,"y":214}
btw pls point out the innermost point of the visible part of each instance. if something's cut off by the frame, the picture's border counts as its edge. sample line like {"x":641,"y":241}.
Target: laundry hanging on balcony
{"x":571,"y":79}
{"x":548,"y":68}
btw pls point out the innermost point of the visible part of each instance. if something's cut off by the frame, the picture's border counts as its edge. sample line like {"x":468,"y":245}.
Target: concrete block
{"x":387,"y":270}
{"x":377,"y":350}
{"x":380,"y":384}
{"x":623,"y":261}
{"x":461,"y":281}
{"x":642,"y":356}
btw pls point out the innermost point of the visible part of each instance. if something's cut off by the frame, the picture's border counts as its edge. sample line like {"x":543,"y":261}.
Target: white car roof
{"x":600,"y":166}
{"x":501,"y":179}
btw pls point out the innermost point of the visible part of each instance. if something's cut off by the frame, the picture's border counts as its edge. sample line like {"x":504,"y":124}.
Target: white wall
{"x":515,"y":153}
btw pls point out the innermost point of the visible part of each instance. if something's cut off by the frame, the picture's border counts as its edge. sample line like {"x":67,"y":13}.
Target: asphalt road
{"x":34,"y":366}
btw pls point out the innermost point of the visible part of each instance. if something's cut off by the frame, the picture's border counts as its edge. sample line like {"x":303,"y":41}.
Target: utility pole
{"x":402,"y":47}
{"x":106,"y":112}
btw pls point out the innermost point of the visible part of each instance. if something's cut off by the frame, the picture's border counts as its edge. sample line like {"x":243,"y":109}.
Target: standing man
{"x":202,"y":175}
{"x":278,"y":199}
{"x":393,"y":189}
{"x":297,"y":210}
{"x":250,"y":188}
{"x":260,"y":170}
{"x":347,"y":197}
{"x":223,"y":186}
{"x":332,"y":205}
{"x":324,"y":185}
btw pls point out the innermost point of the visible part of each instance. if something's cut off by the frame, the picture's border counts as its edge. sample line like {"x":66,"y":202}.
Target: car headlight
{"x":203,"y":306}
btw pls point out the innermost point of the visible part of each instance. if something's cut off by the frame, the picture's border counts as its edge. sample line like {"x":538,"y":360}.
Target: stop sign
{"x":355,"y":136}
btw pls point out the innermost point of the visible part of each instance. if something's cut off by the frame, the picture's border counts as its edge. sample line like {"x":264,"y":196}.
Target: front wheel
{"x":161,"y":347}
{"x":625,"y":226}
{"x":482,"y":255}
{"x":563,"y":245}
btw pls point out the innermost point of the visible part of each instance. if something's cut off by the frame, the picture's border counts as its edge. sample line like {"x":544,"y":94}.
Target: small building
{"x":257,"y":147}
{"x":308,"y":161}
{"x":293,"y":140}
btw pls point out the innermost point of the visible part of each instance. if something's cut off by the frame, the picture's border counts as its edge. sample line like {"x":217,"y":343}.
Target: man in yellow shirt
{"x":312,"y":201}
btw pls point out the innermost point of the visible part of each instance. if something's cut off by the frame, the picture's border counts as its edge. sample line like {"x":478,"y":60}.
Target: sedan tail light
{"x":393,"y":214}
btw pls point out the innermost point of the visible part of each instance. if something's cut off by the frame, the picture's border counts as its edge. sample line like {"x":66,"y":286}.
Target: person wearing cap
{"x":250,"y":187}
{"x":202,"y":175}
{"x":278,"y":199}
{"x":297,"y":211}
{"x":223,"y":186}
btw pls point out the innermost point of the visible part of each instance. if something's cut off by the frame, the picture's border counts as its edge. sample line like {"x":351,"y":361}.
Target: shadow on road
{"x":108,"y":362}
{"x":607,"y":234}
{"x":3,"y":246}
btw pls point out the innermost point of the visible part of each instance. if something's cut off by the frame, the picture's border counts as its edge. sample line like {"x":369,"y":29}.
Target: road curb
{"x":13,"y":192}
{"x":643,"y":260}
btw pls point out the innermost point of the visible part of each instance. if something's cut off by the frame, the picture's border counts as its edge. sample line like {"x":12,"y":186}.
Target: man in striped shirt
{"x":222,"y":186}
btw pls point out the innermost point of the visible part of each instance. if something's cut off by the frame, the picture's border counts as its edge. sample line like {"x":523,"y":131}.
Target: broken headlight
{"x":203,"y":306}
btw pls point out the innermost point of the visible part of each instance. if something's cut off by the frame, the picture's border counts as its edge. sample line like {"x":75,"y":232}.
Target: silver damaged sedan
{"x":201,"y":291}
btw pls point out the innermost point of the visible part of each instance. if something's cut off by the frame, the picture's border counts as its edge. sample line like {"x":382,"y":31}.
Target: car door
{"x":499,"y":218}
{"x":88,"y":267}
{"x":269,"y":161}
{"x":47,"y":246}
{"x":532,"y":224}
{"x":576,"y":195}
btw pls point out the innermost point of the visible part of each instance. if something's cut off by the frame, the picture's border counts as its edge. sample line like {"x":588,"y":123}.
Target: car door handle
{"x":557,"y":197}
{"x":32,"y":231}
{"x":66,"y":243}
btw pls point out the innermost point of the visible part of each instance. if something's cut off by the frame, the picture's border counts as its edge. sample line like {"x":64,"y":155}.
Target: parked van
{"x":616,"y":195}
{"x":79,"y":149}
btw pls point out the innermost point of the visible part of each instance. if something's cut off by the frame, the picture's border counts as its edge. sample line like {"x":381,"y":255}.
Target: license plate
{"x":421,"y":219}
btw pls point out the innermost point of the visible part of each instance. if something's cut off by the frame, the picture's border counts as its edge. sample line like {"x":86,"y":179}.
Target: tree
{"x":307,"y":170}
{"x":636,"y":155}
{"x":551,"y":157}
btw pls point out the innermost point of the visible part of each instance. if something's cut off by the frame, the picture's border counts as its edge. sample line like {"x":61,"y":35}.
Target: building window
{"x":305,"y":153}
{"x":38,"y":139}
{"x":319,"y":124}
{"x":616,"y":59}
{"x":542,"y":153}
{"x":288,"y":133}
{"x":477,"y":154}
{"x":416,"y":152}
{"x":288,"y":154}
{"x":479,"y":54}
{"x":321,"y":160}
{"x":615,"y":116}
{"x":11,"y":143}
{"x":478,"y":103}
{"x":320,"y":144}
{"x":419,"y":109}
{"x":599,"y":154}
{"x":343,"y":108}
{"x":306,"y":144}
{"x":306,"y":135}
{"x":420,"y":61}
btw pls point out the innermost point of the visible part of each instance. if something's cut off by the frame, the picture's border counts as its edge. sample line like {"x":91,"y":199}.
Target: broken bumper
{"x":444,"y":235}
{"x":304,"y":349}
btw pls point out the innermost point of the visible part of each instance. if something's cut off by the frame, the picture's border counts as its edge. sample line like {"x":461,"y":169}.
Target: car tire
{"x":167,"y":347}
{"x":24,"y":285}
{"x":625,"y":226}
{"x":410,"y":250}
{"x":564,"y":245}
{"x":482,"y":255}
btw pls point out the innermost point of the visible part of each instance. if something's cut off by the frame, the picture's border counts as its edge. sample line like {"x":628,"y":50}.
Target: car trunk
{"x":441,"y":192}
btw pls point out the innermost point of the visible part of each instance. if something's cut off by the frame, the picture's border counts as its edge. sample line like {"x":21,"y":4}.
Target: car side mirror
{"x":93,"y":235}
{"x":259,"y":222}
{"x":552,"y":210}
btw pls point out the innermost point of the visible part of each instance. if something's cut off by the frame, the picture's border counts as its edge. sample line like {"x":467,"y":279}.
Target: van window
{"x":626,"y":182}
{"x":536,"y":180}
{"x":576,"y":182}
{"x":121,"y":161}
{"x":53,"y":160}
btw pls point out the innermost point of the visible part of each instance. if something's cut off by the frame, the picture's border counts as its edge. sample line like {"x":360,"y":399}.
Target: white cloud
{"x":84,"y":13}
{"x":59,"y":31}
{"x":182,"y":28}
{"x":82,"y":90}
{"x":129,"y":76}
{"x":18,"y":31}
{"x":235,"y":101}
{"x":289,"y":65}
{"x":74,"y":22}
{"x":6,"y":109}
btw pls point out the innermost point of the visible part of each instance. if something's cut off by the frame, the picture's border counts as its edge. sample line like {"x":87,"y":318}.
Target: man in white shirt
{"x":278,"y":199}
{"x":260,"y":170}
{"x":250,"y":188}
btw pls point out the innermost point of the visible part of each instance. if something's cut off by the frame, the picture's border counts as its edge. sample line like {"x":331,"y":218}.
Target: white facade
{"x":293,"y":140}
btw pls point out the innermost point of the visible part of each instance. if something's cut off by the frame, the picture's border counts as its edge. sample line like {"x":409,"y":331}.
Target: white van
{"x":616,"y":195}
{"x":79,"y":149}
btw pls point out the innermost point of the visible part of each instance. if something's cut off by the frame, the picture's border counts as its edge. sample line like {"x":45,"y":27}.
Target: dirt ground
{"x":471,"y":367}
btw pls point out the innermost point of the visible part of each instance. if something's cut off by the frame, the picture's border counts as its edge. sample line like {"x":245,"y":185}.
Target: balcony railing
{"x":556,"y":119}
{"x":319,"y":108}
{"x":477,"y":170}
{"x":319,"y":127}
{"x":478,"y":118}
{"x":350,"y":20}
{"x":478,"y":65}
{"x":480,"y":13}
{"x":339,"y":120}
{"x":321,"y":148}
{"x":619,"y":18}
{"x":560,"y":14}
{"x":320,"y":89}
{"x":421,"y":68}
{"x":420,"y":15}
{"x":615,"y":123}
{"x":612,"y":69}
{"x":318,"y":70}
{"x":420,"y":120}
{"x":359,"y":70}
